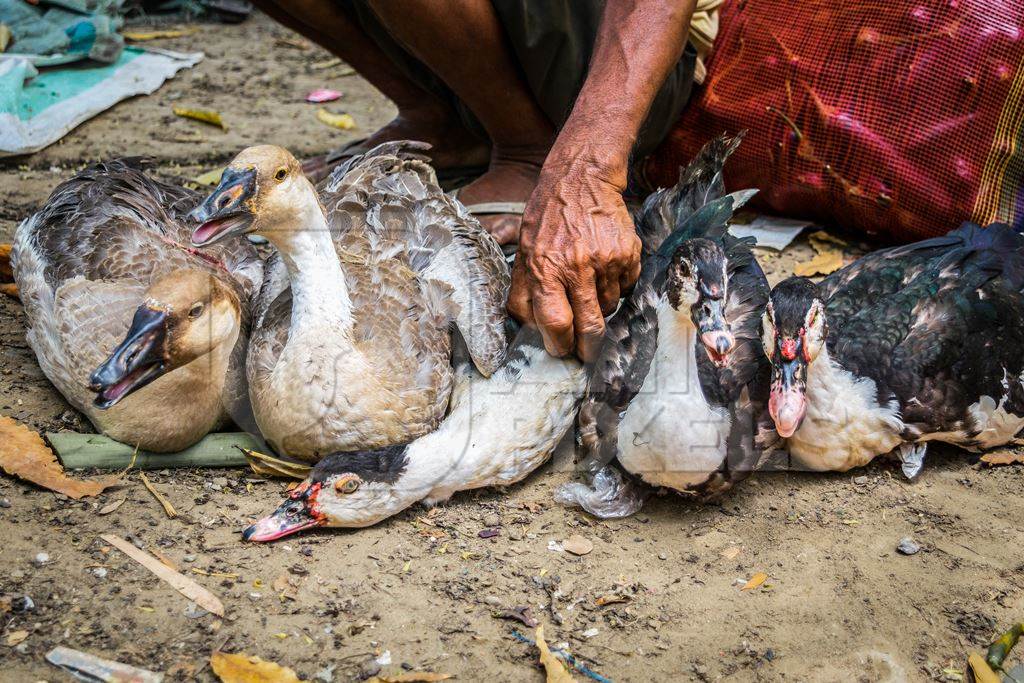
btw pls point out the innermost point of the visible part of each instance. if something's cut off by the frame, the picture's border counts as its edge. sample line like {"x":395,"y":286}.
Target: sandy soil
{"x":840,"y":603}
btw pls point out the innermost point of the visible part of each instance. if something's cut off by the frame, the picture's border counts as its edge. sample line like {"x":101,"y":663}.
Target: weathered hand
{"x":578,"y":251}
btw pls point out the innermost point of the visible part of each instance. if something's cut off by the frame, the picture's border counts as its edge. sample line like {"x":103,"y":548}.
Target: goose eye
{"x":349,"y":485}
{"x":195,"y":311}
{"x":281,"y":174}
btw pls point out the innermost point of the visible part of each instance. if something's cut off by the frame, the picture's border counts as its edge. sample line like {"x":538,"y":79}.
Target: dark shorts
{"x":552,"y":41}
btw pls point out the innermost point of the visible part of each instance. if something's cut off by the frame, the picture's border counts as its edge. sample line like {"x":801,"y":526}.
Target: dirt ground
{"x":839,"y":604}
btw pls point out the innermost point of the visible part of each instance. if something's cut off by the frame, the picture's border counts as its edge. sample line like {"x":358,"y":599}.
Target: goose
{"x":498,"y":430}
{"x":138,"y":330}
{"x":923,"y":343}
{"x":679,"y":392}
{"x":351,"y":348}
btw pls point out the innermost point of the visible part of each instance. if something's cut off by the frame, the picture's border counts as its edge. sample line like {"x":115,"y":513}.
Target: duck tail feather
{"x":700,"y":182}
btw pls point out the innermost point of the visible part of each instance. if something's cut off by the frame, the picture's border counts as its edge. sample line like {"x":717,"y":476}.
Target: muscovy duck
{"x":679,"y":393}
{"x":920,"y":343}
{"x":137,"y":329}
{"x":351,"y":348}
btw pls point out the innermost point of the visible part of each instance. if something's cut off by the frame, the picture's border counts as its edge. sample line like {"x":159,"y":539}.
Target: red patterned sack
{"x":896,"y":119}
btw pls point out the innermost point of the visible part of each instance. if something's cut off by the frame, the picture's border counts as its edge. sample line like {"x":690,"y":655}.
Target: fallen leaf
{"x":11,"y":290}
{"x":577,"y":545}
{"x":209,"y":178}
{"x":24,"y":455}
{"x":141,"y":36}
{"x":820,"y":237}
{"x":983,"y":673}
{"x":755,"y":581}
{"x":110,"y":507}
{"x":181,"y":583}
{"x":283,"y":587}
{"x":556,"y":672}
{"x":5,"y":37}
{"x":321,"y":95}
{"x":205,"y":115}
{"x":823,"y":263}
{"x":15,"y":637}
{"x":522,"y":614}
{"x":411,"y":677}
{"x":340,"y":121}
{"x":296,"y":43}
{"x":242,"y":668}
{"x":1003,"y":457}
{"x":611,"y":599}
{"x":6,"y":272}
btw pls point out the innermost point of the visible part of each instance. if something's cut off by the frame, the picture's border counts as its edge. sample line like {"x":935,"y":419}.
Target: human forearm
{"x":638,"y":43}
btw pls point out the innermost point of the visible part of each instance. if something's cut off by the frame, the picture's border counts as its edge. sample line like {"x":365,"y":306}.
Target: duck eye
{"x":347,"y":485}
{"x":281,"y":174}
{"x":195,"y":311}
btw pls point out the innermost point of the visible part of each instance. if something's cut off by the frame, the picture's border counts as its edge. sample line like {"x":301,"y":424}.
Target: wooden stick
{"x":184,"y":585}
{"x":168,"y":508}
{"x":78,"y":451}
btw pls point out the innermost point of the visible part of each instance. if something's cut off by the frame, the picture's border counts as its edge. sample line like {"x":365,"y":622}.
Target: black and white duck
{"x":137,"y":329}
{"x":918,"y":343}
{"x":678,"y":395}
{"x":498,"y":430}
{"x":351,"y":347}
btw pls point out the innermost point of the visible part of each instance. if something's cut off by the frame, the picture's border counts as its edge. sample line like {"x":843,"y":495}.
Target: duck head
{"x":793,"y":331}
{"x":696,"y":280}
{"x":258,"y":191}
{"x":342,"y":490}
{"x":185,"y":315}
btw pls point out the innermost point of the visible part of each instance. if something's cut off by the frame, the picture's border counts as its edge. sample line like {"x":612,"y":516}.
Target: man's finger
{"x":519,"y":304}
{"x":588,"y":323}
{"x":608,"y":293}
{"x":629,"y":276}
{"x":553,"y":314}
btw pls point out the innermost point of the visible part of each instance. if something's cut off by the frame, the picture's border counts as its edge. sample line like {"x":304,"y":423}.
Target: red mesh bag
{"x":895,"y":119}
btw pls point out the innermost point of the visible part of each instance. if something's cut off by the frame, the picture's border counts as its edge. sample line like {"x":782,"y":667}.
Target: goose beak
{"x":714,"y":331}
{"x":295,"y":514}
{"x":137,"y":361}
{"x":788,"y":401}
{"x":227,"y":211}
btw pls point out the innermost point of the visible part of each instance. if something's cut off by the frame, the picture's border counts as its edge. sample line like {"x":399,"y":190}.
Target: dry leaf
{"x":24,"y":455}
{"x":556,"y":672}
{"x":755,"y":581}
{"x":6,"y":272}
{"x":11,"y":290}
{"x":242,"y":668}
{"x":820,"y":237}
{"x":110,"y":507}
{"x":824,"y":262}
{"x":411,"y":677}
{"x":732,"y":552}
{"x":5,"y":37}
{"x":1003,"y":457}
{"x":611,"y":599}
{"x":342,"y":121}
{"x":184,"y":585}
{"x":210,"y":178}
{"x":577,"y":545}
{"x":205,"y":115}
{"x":16,"y":637}
{"x":141,"y":36}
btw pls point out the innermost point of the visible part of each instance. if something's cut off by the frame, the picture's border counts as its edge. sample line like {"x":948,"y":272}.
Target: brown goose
{"x":351,"y":348}
{"x":137,"y":329}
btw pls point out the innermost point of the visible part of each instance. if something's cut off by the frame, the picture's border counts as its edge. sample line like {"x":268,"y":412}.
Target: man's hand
{"x":578,"y":251}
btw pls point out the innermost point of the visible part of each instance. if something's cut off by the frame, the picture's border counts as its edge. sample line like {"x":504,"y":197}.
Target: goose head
{"x":259,"y":191}
{"x":184,"y":316}
{"x":696,"y":283}
{"x":343,"y":490}
{"x":793,"y":331}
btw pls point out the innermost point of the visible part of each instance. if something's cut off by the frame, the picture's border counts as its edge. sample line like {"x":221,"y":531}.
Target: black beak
{"x":226,"y":211}
{"x":714,"y":330}
{"x":136,"y":362}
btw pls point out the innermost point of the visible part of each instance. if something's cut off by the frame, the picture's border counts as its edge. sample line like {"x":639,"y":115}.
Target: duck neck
{"x":319,"y":293}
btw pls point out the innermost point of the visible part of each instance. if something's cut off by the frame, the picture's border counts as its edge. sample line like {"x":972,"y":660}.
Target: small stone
{"x":662,"y":556}
{"x":492,"y":520}
{"x":23,"y":604}
{"x":99,"y":572}
{"x":590,"y":633}
{"x":40,"y":559}
{"x":577,"y":545}
{"x":5,"y":503}
{"x":493,"y":600}
{"x":220,"y":481}
{"x":189,"y":558}
{"x":907,"y":546}
{"x":515,"y":534}
{"x":861,"y":480}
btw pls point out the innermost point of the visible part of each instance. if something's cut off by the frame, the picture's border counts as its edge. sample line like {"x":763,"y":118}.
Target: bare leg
{"x":421,"y":114}
{"x":463,"y":43}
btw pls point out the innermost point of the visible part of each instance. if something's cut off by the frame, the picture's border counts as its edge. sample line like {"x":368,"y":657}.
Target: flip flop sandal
{"x":319,"y":167}
{"x":495,"y":209}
